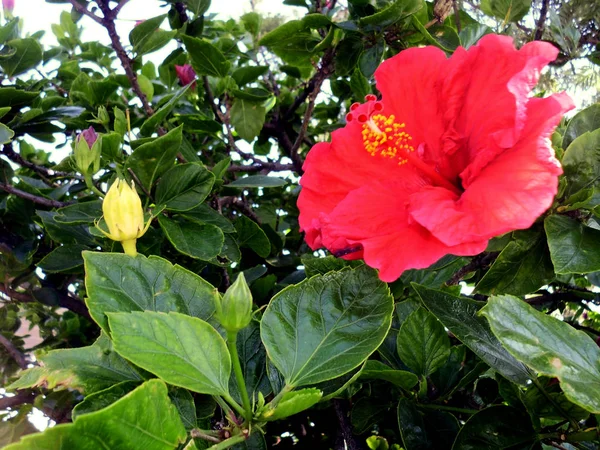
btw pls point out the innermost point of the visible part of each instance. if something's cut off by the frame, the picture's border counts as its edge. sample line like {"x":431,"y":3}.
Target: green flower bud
{"x":234,"y":309}
{"x":87,"y":151}
{"x":103,"y":116}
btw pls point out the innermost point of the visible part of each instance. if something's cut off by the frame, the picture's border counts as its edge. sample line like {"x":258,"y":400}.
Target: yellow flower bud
{"x":124,"y":215}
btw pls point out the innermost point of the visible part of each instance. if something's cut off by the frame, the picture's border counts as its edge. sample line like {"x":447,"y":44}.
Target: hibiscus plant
{"x":366,"y":224}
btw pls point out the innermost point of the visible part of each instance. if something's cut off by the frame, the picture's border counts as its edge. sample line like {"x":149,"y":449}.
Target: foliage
{"x":495,"y":351}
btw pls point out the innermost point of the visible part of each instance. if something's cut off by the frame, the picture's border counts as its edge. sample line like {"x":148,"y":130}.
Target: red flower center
{"x":385,"y":137}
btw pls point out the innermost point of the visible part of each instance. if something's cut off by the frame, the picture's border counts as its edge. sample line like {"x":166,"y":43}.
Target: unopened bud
{"x":186,"y":75}
{"x":124,"y":215}
{"x":87,"y":151}
{"x":8,"y":6}
{"x":234,"y":309}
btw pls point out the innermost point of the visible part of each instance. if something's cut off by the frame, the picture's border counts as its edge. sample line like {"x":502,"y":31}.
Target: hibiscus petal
{"x":332,"y":170}
{"x":408,"y":83}
{"x":486,"y":95}
{"x":376,"y":218}
{"x":510,"y":193}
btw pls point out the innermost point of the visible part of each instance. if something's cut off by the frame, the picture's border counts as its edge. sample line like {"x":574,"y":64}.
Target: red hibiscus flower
{"x":186,"y":75}
{"x":455,"y":153}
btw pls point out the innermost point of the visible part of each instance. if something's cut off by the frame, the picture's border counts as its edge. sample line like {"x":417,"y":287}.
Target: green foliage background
{"x":498,"y":351}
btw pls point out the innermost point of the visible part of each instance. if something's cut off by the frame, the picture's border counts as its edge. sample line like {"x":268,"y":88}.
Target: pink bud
{"x":137,"y":22}
{"x":186,"y":75}
{"x":89,"y":135}
{"x":8,"y":5}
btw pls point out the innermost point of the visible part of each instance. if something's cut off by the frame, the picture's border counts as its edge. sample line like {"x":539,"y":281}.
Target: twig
{"x":478,"y":262}
{"x":241,"y":205}
{"x":456,"y":15}
{"x":50,"y":203}
{"x":345,"y":440}
{"x":67,"y":301}
{"x":108,"y":22}
{"x":20,"y":398}
{"x":117,"y":8}
{"x":83,"y":10}
{"x":138,"y":182}
{"x":14,"y":352}
{"x":539,"y":26}
{"x":8,"y":151}
{"x":260,"y":166}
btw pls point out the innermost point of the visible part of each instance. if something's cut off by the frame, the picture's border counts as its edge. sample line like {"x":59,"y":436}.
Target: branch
{"x":117,"y":8}
{"x":65,"y":300}
{"x":50,"y":203}
{"x":14,"y":352}
{"x":478,"y":262}
{"x":109,"y":23}
{"x":241,"y":205}
{"x":345,"y":439}
{"x":20,"y":398}
{"x":260,"y":166}
{"x":83,"y":10}
{"x":539,"y":27}
{"x":8,"y":151}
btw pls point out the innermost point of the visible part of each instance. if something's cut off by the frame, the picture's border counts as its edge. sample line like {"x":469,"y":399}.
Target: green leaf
{"x":574,"y":248}
{"x":522,"y":267}
{"x":496,"y":427}
{"x":116,"y":282}
{"x":182,"y":350}
{"x":399,"y":9}
{"x":6,"y":134}
{"x":250,"y":235}
{"x":254,"y":181}
{"x":84,"y":212}
{"x":184,"y":402}
{"x":89,"y":369}
{"x":375,"y":370}
{"x":147,"y":37}
{"x":205,"y":214}
{"x":200,"y":241}
{"x":247,"y":118}
{"x":448,"y":375}
{"x":581,"y":123}
{"x":360,"y":85}
{"x":549,"y":346}
{"x":581,"y":163}
{"x":26,"y":54}
{"x":10,"y":96}
{"x":320,"y":266}
{"x":184,"y":187}
{"x":324,"y":327}
{"x":198,"y":7}
{"x":412,"y":427}
{"x":292,"y":403}
{"x":248,"y":74}
{"x":506,"y":10}
{"x":121,"y":426}
{"x":151,"y":124}
{"x":459,"y":315}
{"x":370,"y":59}
{"x":150,"y":160}
{"x":368,"y":411}
{"x":102,"y":399}
{"x":63,"y":258}
{"x":293,"y":42}
{"x":206,"y":58}
{"x":423,"y":344}
{"x":435,"y":275}
{"x":471,"y":34}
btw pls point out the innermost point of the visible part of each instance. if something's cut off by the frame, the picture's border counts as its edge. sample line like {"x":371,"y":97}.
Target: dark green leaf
{"x":206,"y":58}
{"x":506,"y":10}
{"x":101,"y":399}
{"x":522,"y":267}
{"x":184,"y":187}
{"x":147,"y":37}
{"x":370,"y":59}
{"x":85,"y":212}
{"x":151,"y":124}
{"x":582,"y":122}
{"x":581,"y":163}
{"x":182,"y":350}
{"x":399,"y":9}
{"x":27,"y":54}
{"x":247,"y":118}
{"x":459,"y":315}
{"x":205,"y":214}
{"x":574,"y":248}
{"x":324,"y":327}
{"x":412,"y":427}
{"x":366,"y":412}
{"x":65,"y":257}
{"x":248,"y":74}
{"x":423,"y":344}
{"x":250,"y":235}
{"x":495,"y":428}
{"x":375,"y":370}
{"x":201,"y":241}
{"x":253,"y":181}
{"x":150,"y":160}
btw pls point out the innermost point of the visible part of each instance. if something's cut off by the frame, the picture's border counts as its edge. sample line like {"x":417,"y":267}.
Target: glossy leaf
{"x":106,"y":397}
{"x":324,"y":327}
{"x":247,"y":118}
{"x":184,"y":187}
{"x":423,"y":344}
{"x":206,"y":58}
{"x":254,"y":181}
{"x":184,"y":351}
{"x":116,"y":282}
{"x":574,"y":247}
{"x":250,"y":235}
{"x":63,"y":258}
{"x":201,"y":241}
{"x":292,"y":403}
{"x":548,"y":346}
{"x":459,"y":315}
{"x":375,"y":370}
{"x":581,"y":123}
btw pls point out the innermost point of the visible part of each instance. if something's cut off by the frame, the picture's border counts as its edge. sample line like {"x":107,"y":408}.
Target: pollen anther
{"x":383,"y":136}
